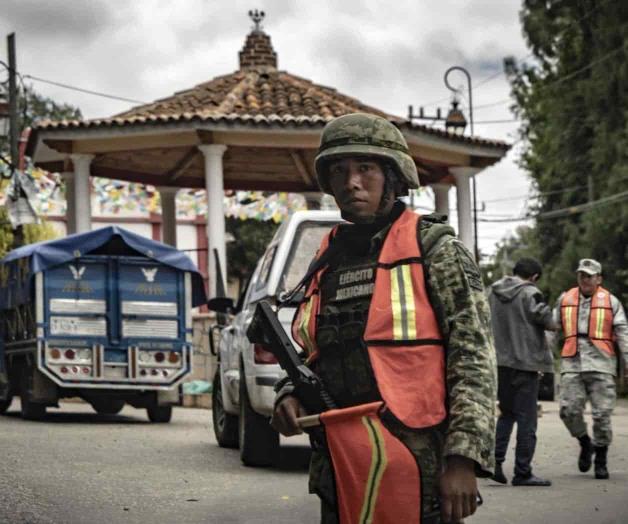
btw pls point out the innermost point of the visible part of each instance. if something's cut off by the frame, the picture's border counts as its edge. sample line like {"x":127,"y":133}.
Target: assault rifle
{"x":266,"y":329}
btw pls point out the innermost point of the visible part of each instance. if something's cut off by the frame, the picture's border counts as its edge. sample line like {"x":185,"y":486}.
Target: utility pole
{"x":591,"y":196}
{"x":18,"y":232}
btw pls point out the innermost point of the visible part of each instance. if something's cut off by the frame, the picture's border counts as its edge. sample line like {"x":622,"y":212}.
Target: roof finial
{"x":257,"y":17}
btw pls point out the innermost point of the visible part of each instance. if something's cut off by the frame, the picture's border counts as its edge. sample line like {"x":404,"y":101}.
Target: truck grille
{"x":150,"y":328}
{"x":68,"y":305}
{"x":157,"y":309}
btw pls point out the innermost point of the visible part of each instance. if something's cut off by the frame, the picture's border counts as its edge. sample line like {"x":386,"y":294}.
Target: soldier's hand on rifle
{"x":285,"y":416}
{"x":458,"y":489}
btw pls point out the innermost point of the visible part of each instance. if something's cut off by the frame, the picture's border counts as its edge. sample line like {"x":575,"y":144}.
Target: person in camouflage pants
{"x":588,"y":370}
{"x":363,"y":162}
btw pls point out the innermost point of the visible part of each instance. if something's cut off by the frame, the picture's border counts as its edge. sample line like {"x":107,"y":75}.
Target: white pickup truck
{"x":243,"y":394}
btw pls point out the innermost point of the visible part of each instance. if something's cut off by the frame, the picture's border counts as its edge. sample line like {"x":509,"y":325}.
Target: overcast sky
{"x":386,"y":54}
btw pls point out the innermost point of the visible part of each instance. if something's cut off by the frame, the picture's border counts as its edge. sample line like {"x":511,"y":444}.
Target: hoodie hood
{"x":507,"y":288}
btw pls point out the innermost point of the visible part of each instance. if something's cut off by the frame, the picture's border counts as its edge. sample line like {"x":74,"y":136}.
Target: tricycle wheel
{"x":107,"y":406}
{"x":159,"y":414}
{"x":30,"y":410}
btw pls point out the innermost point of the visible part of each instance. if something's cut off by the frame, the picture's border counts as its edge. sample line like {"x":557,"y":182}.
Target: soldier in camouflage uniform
{"x":589,"y":374}
{"x":363,"y":162}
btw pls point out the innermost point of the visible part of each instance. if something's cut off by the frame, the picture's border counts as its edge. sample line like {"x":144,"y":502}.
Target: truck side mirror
{"x":221,"y":305}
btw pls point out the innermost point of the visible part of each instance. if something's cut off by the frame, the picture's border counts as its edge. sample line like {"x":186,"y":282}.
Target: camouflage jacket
{"x":458,"y":298}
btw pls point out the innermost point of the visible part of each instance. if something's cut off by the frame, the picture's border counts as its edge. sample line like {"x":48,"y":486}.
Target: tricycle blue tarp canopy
{"x":50,"y":253}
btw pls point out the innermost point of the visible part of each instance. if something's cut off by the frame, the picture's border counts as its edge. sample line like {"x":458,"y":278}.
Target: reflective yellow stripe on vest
{"x":304,"y":325}
{"x":403,"y":307}
{"x":599,"y":323}
{"x":569,"y":331}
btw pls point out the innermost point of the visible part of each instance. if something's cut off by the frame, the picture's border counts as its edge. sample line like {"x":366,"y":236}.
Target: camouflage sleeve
{"x":461,"y":305}
{"x":620,"y":327}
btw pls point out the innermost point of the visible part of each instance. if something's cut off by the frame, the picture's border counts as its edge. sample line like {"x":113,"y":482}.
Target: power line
{"x":537,"y":195}
{"x":559,"y":213}
{"x":82,"y":90}
{"x":503,"y":121}
{"x":488,"y":79}
{"x":551,"y":84}
{"x":566,"y":211}
{"x":588,"y":66}
{"x":493,"y":104}
{"x":530,"y":55}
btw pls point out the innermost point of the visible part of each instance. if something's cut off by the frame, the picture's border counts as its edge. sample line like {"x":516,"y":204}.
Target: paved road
{"x":574,"y":498}
{"x":78,"y":467}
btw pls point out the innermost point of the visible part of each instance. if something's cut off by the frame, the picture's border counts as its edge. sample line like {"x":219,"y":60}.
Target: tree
{"x":573,"y":102}
{"x":251,"y":238}
{"x":509,"y":250}
{"x":33,"y":108}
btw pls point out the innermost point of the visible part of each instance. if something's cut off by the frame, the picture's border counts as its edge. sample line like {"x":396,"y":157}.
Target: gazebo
{"x":257,"y":128}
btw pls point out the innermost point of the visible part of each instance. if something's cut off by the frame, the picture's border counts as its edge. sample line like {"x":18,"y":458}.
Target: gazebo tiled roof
{"x":256,"y":94}
{"x":257,"y":89}
{"x":257,"y":128}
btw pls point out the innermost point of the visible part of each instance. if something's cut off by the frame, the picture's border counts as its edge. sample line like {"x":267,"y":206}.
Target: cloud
{"x":386,"y":54}
{"x":58,"y":21}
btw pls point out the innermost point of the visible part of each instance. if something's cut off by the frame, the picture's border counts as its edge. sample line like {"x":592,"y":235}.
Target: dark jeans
{"x":517,"y":393}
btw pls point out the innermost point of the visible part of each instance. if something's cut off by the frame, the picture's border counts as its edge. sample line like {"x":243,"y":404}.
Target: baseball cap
{"x":589,"y":266}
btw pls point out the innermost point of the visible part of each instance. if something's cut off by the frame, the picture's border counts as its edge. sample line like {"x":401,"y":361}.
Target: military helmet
{"x":365,"y":134}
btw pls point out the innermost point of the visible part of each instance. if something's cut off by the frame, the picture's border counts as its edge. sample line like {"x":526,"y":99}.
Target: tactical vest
{"x":600,"y":330}
{"x":405,"y":346}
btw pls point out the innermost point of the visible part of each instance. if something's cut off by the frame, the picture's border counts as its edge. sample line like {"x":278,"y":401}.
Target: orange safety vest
{"x":404,"y":342}
{"x":600,"y":330}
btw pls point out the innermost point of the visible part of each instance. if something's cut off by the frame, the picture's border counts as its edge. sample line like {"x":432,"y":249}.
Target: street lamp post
{"x":470,"y":91}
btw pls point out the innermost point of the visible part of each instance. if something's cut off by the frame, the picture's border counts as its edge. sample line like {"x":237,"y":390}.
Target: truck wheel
{"x":159,"y":414}
{"x":225,"y":425}
{"x":30,"y":410}
{"x":107,"y":406}
{"x":259,"y":442}
{"x":4,"y":404}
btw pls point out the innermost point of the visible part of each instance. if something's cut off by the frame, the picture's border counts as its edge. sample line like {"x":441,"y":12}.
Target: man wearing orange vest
{"x":592,"y":321}
{"x":395,"y":312}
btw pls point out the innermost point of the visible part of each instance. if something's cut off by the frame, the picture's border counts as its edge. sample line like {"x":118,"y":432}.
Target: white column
{"x":82,"y":192}
{"x":70,"y":211}
{"x":168,"y":197}
{"x":313,"y":199}
{"x":441,"y":197}
{"x":214,"y":184}
{"x":463,"y":197}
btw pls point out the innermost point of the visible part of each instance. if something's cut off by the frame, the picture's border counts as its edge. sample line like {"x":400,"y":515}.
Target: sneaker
{"x":499,"y":476}
{"x":532,"y":480}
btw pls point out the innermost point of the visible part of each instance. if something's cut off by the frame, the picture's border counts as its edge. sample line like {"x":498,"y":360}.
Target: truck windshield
{"x":307,"y":240}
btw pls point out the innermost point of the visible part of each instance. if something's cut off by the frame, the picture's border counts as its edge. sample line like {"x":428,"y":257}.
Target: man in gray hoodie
{"x":519,"y":317}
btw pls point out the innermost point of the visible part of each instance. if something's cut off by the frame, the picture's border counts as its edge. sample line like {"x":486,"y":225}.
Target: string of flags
{"x":115,"y":198}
